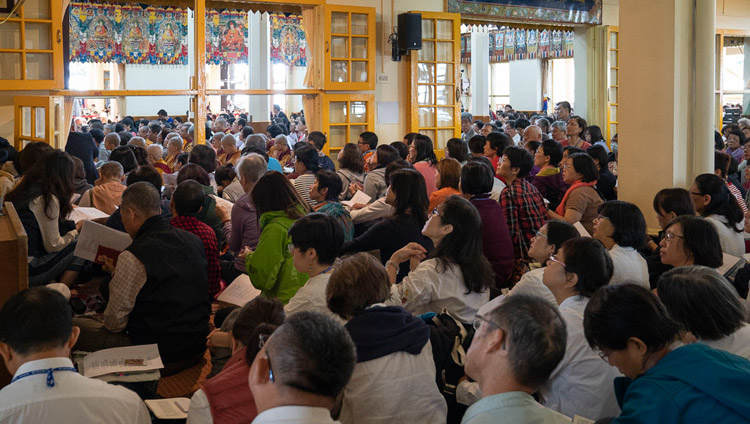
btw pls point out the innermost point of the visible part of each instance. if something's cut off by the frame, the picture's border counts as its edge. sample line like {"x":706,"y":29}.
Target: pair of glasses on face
{"x":602,"y":354}
{"x":435,"y":212}
{"x":554,"y":259}
{"x":670,"y":236}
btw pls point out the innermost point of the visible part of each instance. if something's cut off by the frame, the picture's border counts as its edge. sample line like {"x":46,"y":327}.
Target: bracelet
{"x":391,"y":263}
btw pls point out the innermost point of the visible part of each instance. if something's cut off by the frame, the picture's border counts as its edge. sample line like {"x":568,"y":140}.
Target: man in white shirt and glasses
{"x":36,"y":335}
{"x":301,"y":370}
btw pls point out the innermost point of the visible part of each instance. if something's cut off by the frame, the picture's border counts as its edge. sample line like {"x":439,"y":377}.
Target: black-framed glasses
{"x":435,"y":212}
{"x":270,"y":369}
{"x":602,"y":354}
{"x":697,"y":194}
{"x":601,"y":217}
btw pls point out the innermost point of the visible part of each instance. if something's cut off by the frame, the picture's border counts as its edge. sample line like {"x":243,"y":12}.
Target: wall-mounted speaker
{"x":410,"y":31}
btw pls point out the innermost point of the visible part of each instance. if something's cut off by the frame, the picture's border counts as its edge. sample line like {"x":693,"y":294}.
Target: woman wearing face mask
{"x":665,"y":382}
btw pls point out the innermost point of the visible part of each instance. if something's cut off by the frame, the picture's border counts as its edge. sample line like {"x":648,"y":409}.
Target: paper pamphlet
{"x":359,"y":197}
{"x":122,"y":360}
{"x":169,"y":409}
{"x":82,"y":213}
{"x":169,"y":179}
{"x":74,"y":198}
{"x":97,"y":240}
{"x":239,"y":292}
{"x":581,"y":230}
{"x":223,"y":202}
{"x":729,"y":264}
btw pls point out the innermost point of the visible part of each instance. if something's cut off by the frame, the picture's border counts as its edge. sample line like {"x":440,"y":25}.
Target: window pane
{"x":39,"y":66}
{"x":428,"y":28}
{"x":426,"y":117}
{"x":444,"y":29}
{"x":337,"y":138}
{"x":339,"y":71}
{"x":26,"y":121}
{"x":426,"y":72}
{"x":358,"y":112}
{"x":613,"y":94}
{"x":426,"y":95}
{"x":36,"y":9}
{"x":443,"y":137}
{"x":428,"y":51}
{"x":444,"y":94}
{"x":444,"y":73}
{"x":613,"y":113}
{"x":39,"y":122}
{"x":613,"y":40}
{"x":445,"y":117}
{"x":339,"y":23}
{"x":613,"y":76}
{"x":340,"y":47}
{"x":10,"y":66}
{"x":359,"y":71}
{"x":612,"y":58}
{"x":359,"y":23}
{"x":429,"y":133}
{"x":612,"y":129}
{"x":10,"y":35}
{"x":355,"y":131}
{"x":359,"y":48}
{"x":38,"y":36}
{"x":444,"y":51}
{"x":337,"y":112}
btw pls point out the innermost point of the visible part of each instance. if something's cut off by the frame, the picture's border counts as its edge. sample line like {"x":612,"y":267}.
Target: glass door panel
{"x":349,"y":48}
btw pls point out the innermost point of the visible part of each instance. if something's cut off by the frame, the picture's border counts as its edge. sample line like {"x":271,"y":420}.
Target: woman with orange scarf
{"x":582,"y":200}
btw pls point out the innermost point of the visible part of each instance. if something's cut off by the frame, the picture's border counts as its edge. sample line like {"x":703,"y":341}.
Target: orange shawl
{"x":561,"y":207}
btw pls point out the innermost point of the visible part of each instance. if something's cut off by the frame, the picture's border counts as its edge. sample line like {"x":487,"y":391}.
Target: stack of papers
{"x":81,"y":213}
{"x":239,"y":292}
{"x":169,"y":409}
{"x":359,"y":197}
{"x":122,"y":360}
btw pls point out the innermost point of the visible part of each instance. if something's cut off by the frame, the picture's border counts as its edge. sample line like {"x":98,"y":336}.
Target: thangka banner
{"x":128,"y":33}
{"x":587,"y":12}
{"x":226,"y":37}
{"x":288,"y":44}
{"x":518,"y":44}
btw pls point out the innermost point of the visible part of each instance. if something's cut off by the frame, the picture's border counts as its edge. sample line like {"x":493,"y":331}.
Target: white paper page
{"x":122,"y":360}
{"x":359,"y":197}
{"x":169,"y":409}
{"x":75,"y":197}
{"x":81,"y":213}
{"x":94,"y":235}
{"x":729,"y":262}
{"x":169,"y":179}
{"x":581,"y":230}
{"x":239,"y":292}
{"x":223,"y":202}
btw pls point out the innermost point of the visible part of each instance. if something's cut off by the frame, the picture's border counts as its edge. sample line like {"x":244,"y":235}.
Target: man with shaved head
{"x":532,"y":133}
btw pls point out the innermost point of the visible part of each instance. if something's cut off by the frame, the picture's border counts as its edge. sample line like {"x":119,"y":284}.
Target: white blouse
{"x":430,"y":288}
{"x":629,"y":266}
{"x":531,"y":283}
{"x":737,"y":343}
{"x":312,"y":297}
{"x":732,"y":242}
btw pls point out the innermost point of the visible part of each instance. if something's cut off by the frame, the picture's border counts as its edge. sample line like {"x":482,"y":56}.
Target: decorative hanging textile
{"x":128,"y":33}
{"x":508,"y":44}
{"x":226,"y":36}
{"x":587,"y":12}
{"x":288,"y":44}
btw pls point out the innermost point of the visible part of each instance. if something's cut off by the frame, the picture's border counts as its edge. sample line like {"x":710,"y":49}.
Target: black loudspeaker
{"x":410,"y":31}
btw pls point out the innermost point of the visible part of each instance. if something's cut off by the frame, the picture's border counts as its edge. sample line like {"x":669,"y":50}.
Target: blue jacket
{"x":691,"y":384}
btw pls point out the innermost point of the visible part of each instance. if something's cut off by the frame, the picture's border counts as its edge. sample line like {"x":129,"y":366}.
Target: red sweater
{"x":229,"y":394}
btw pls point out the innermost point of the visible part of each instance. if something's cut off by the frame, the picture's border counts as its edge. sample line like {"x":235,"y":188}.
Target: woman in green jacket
{"x":270,"y":266}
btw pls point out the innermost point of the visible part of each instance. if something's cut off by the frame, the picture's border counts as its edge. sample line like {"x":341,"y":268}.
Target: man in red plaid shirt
{"x":187,"y":200}
{"x":522,"y":203}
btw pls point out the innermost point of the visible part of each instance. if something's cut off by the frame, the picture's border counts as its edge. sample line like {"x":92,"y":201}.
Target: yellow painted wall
{"x":733,"y":14}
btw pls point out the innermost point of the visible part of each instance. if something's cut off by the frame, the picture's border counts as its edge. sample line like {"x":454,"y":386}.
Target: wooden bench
{"x":14,"y":272}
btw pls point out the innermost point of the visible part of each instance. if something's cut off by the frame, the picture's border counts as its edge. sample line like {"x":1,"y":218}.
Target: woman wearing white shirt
{"x":547,"y":241}
{"x":708,"y":306}
{"x":581,"y":384}
{"x":621,"y":228}
{"x":714,"y":202}
{"x":316,"y":241}
{"x":456,"y":276}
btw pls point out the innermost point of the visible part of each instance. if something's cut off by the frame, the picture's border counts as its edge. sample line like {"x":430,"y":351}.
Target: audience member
{"x":36,"y":338}
{"x":374,"y":185}
{"x":690,"y":240}
{"x":621,"y":228}
{"x":581,"y":384}
{"x":149,"y":175}
{"x":402,"y":148}
{"x":318,"y":140}
{"x":664,"y":382}
{"x":80,"y":185}
{"x":495,"y":146}
{"x":516,"y":347}
{"x":125,"y":156}
{"x":229,"y":151}
{"x":271,"y":266}
{"x":455,"y":276}
{"x":447,"y":178}
{"x":281,"y":151}
{"x":107,"y":190}
{"x":301,"y":370}
{"x":476,"y":145}
{"x":581,"y":202}
{"x":549,"y":180}
{"x":393,"y":350}
{"x":374,"y":211}
{"x":351,"y":169}
{"x":576,"y":127}
{"x":559,"y":132}
{"x":424,"y":160}
{"x":306,"y":164}
{"x":82,"y":146}
{"x":207,"y":214}
{"x":368,"y":142}
{"x":457,"y":149}
{"x":227,"y":183}
{"x":669,"y":203}
{"x":606,"y":184}
{"x":325,"y":192}
{"x":715,"y":203}
{"x":594,"y":137}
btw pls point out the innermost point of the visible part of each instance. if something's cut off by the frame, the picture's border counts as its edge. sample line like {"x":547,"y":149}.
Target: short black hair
{"x":34,"y":320}
{"x":564,"y":105}
{"x":225,"y":172}
{"x":188,"y":198}
{"x":584,"y":165}
{"x":204,"y":156}
{"x":162,"y":112}
{"x":456,"y":149}
{"x":423,"y":147}
{"x":629,"y":223}
{"x":675,"y":200}
{"x":330,"y":180}
{"x":558,"y":232}
{"x":700,"y":239}
{"x":519,"y":158}
{"x":476,"y":144}
{"x":370,"y":138}
{"x":401,"y":148}
{"x":318,"y":139}
{"x":247,"y":131}
{"x":155,"y":128}
{"x":97,"y":134}
{"x":588,"y":259}
{"x":395,"y":166}
{"x":125,"y":156}
{"x":145,"y":173}
{"x":386,"y":154}
{"x":522,"y":123}
{"x":616,"y":313}
{"x":274,"y":130}
{"x":598,"y":153}
{"x":554,"y":150}
{"x":477,"y":177}
{"x":702,"y":300}
{"x":307,"y":155}
{"x":572,"y":150}
{"x":499,"y":141}
{"x":183,"y":158}
{"x":318,"y":231}
{"x":312,"y":353}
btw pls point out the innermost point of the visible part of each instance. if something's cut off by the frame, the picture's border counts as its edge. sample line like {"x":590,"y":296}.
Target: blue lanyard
{"x":48,"y":371}
{"x":324,"y":271}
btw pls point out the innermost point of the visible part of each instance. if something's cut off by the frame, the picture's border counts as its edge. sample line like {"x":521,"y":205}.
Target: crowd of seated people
{"x":504,"y":283}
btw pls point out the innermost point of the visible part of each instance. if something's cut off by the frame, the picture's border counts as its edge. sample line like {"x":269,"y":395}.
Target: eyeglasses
{"x":671,"y":236}
{"x":555,"y":260}
{"x":601,"y":217}
{"x":435,"y":212}
{"x":540,"y":234}
{"x":478,"y":320}
{"x":602,"y":354}
{"x":697,"y":194}
{"x":290,"y":247}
